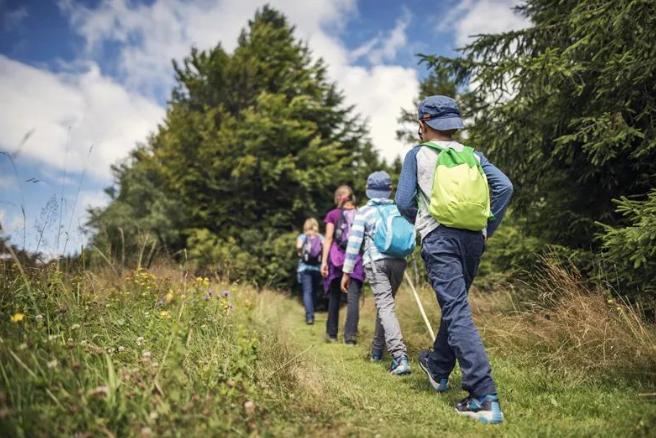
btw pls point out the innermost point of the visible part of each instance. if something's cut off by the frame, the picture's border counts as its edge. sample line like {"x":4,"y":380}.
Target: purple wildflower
{"x":225,"y":293}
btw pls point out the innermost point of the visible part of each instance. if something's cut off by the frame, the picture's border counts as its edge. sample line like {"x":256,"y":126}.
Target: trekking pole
{"x":421,"y":307}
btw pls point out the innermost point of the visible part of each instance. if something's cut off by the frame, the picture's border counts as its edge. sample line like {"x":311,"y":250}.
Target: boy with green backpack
{"x":388,"y":238}
{"x":456,"y":199}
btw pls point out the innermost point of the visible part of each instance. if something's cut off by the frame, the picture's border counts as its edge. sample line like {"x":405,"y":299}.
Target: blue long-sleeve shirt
{"x":363,"y":229}
{"x":416,"y":183}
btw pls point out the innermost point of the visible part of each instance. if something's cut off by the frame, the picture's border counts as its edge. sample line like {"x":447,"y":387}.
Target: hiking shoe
{"x":485,"y":409}
{"x":350,"y":343}
{"x":331,"y":339}
{"x":309,"y":321}
{"x":439,"y":384}
{"x":400,"y":366}
{"x":376,"y":355}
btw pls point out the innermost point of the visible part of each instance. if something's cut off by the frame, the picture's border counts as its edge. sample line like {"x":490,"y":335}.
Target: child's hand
{"x":346,"y":280}
{"x":324,"y":270}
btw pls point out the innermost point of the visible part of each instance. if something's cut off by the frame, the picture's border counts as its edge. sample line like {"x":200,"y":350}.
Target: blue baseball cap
{"x":441,"y":113}
{"x":379,"y":185}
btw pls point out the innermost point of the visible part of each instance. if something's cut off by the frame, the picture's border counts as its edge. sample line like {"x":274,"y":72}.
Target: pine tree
{"x":566,"y":106}
{"x":253,"y":143}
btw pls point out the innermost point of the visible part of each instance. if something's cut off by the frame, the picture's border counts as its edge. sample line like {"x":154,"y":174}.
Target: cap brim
{"x":377,"y":194}
{"x":446,"y":123}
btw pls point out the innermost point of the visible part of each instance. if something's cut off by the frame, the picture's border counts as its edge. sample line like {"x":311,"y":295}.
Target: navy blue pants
{"x":310,"y":283}
{"x":452,"y":257}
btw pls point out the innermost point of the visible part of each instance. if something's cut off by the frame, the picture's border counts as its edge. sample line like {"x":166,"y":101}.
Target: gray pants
{"x":385,"y":277}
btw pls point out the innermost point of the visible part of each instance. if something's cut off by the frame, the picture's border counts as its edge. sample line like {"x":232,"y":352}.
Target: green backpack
{"x":460,"y":197}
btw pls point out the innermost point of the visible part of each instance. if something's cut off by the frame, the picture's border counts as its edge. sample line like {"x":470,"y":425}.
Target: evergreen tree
{"x":252,"y":144}
{"x":566,"y":106}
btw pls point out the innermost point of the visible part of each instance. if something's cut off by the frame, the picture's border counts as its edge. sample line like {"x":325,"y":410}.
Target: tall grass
{"x":565,"y":323}
{"x":148,"y":353}
{"x":557,"y":320}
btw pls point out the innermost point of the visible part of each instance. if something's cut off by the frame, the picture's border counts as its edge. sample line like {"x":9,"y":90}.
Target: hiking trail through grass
{"x":342,"y":393}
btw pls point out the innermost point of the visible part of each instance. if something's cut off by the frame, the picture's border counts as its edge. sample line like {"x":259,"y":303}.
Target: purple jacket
{"x":336,"y":257}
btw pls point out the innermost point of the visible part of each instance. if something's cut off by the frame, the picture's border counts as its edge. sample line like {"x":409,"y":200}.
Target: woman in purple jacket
{"x":338,"y":222}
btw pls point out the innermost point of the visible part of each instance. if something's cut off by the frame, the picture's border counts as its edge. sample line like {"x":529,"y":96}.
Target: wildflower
{"x":22,"y":346}
{"x":146,"y":354}
{"x":121,"y":348}
{"x":17,"y":317}
{"x":52,"y":337}
{"x":39,"y":318}
{"x":110,"y":350}
{"x":165,"y":314}
{"x":225,"y":293}
{"x":140,"y":340}
{"x":83,"y":343}
{"x":75,"y":326}
{"x":53,"y":364}
{"x":169,"y":297}
{"x":249,"y":407}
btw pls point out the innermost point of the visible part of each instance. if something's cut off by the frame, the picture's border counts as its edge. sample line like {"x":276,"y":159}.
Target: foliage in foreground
{"x":153,"y":352}
{"x":132,"y":356}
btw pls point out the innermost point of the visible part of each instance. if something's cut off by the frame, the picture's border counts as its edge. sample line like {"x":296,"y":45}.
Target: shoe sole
{"x":435,"y":385}
{"x":484,"y":417}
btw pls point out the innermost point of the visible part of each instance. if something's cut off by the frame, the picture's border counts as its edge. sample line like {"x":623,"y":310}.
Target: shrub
{"x":629,"y":252}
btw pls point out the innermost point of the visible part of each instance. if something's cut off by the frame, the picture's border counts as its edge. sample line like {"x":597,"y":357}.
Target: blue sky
{"x":82,"y":82}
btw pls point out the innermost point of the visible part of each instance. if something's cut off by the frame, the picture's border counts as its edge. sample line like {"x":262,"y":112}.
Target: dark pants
{"x":310,"y":283}
{"x":352,"y":310}
{"x":452,"y":257}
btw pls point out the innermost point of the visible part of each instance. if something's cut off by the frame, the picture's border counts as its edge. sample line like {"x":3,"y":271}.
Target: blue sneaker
{"x":400,"y":366}
{"x":439,"y":384}
{"x":376,"y":355}
{"x":485,"y":409}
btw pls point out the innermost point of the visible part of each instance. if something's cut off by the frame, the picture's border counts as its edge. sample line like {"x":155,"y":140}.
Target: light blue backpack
{"x":394,"y":235}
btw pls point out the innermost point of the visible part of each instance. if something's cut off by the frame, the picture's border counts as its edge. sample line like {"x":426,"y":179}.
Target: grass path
{"x":342,"y":393}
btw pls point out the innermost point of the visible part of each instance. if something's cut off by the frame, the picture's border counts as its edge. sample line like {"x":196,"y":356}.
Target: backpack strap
{"x":434,"y":145}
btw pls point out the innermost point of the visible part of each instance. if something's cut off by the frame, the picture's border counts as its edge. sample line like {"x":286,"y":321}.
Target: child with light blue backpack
{"x":388,"y":238}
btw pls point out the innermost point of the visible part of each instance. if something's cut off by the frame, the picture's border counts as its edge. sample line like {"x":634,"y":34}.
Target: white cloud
{"x":67,"y":114}
{"x":381,"y":49}
{"x":475,"y":17}
{"x":167,"y":29}
{"x":76,"y":219}
{"x":152,"y":35}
